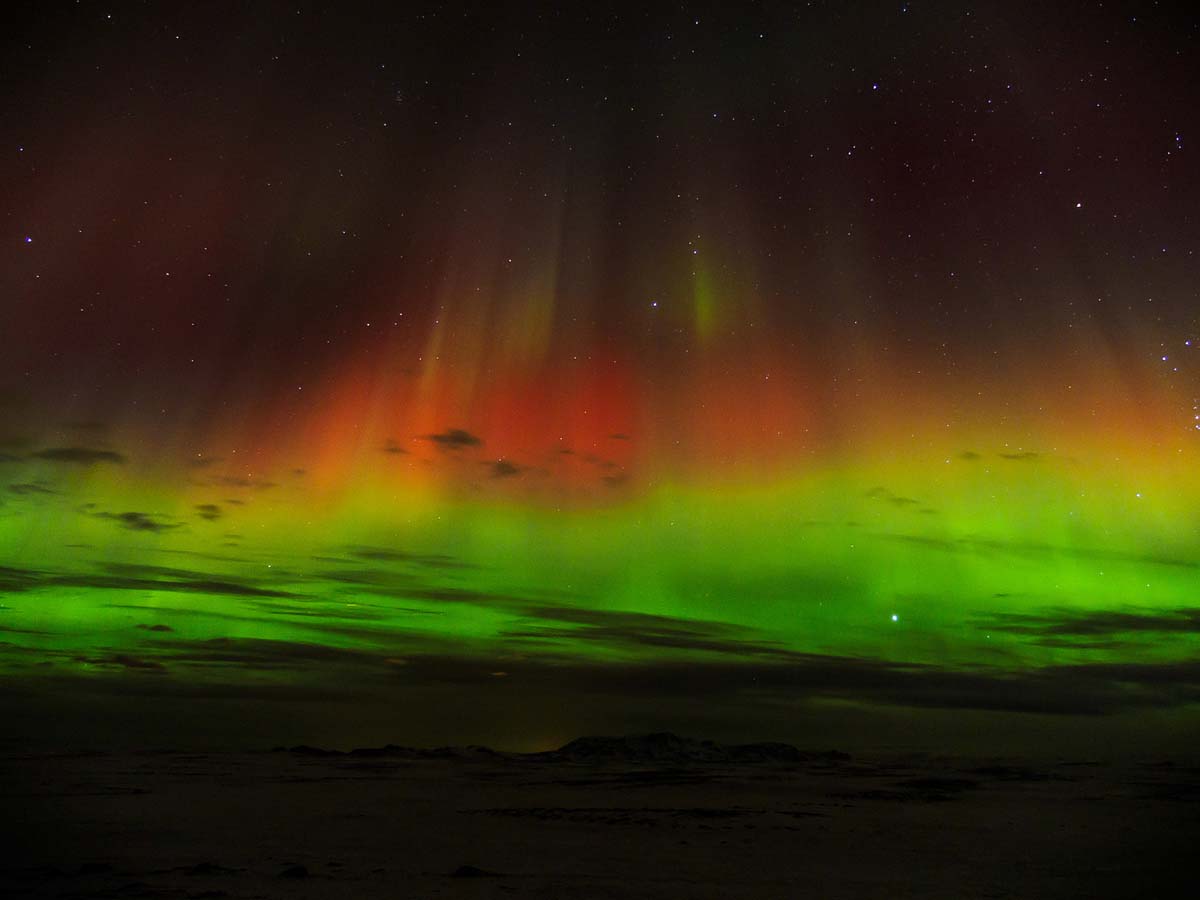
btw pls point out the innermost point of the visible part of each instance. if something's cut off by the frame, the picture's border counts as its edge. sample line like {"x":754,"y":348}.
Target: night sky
{"x":442,"y":373}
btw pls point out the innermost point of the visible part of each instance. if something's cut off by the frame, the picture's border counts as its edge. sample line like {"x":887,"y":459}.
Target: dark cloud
{"x":394,"y":449}
{"x":454,"y":439}
{"x":374,"y":577}
{"x":1078,"y":644}
{"x":1085,"y":690}
{"x":378,"y":553}
{"x":619,"y":436}
{"x":6,"y":629}
{"x":197,"y":554}
{"x":388,"y":634}
{"x":632,"y":630}
{"x":263,"y":654}
{"x":117,"y":684}
{"x":1096,"y":623}
{"x":8,"y":458}
{"x":30,"y":488}
{"x":15,"y":581}
{"x":630,"y":620}
{"x":139,"y":521}
{"x":158,"y":628}
{"x":324,"y":611}
{"x":84,"y":456}
{"x":122,"y":577}
{"x":140,"y":570}
{"x":209,"y":511}
{"x":385,"y":554}
{"x":1021,"y":456}
{"x":882,"y":493}
{"x":1032,"y":550}
{"x":463,"y":595}
{"x":124,"y":661}
{"x":202,"y":586}
{"x":407,"y":586}
{"x":203,"y":462}
{"x":247,"y":482}
{"x":970,"y":456}
{"x":614,"y":481}
{"x":503,"y":468}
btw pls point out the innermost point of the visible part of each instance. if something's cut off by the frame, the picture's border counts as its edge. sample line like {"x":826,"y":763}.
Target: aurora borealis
{"x":460,"y":373}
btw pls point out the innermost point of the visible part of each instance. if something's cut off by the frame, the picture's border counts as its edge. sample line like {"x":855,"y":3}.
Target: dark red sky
{"x":220,"y":196}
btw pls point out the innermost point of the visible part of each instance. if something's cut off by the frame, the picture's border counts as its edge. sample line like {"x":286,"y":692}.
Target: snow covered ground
{"x":615,"y":819}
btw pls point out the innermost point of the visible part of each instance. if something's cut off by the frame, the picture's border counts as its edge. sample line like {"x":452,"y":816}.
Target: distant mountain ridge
{"x":657,"y":748}
{"x":668,"y":747}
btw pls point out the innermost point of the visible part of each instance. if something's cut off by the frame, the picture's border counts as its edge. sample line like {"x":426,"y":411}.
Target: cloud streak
{"x":133,"y":578}
{"x":82,"y":456}
{"x":139,"y":521}
{"x":1096,"y":623}
{"x":454,"y":439}
{"x":208,"y":511}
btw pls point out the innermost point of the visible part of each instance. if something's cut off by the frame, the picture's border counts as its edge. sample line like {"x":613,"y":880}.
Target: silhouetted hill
{"x":660,"y":747}
{"x":667,"y":747}
{"x":395,"y":751}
